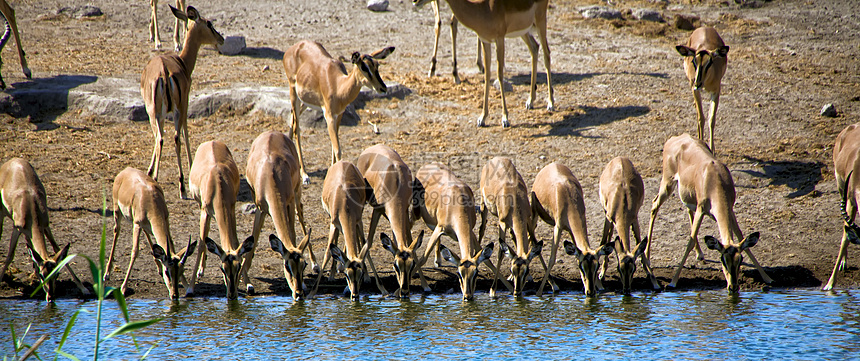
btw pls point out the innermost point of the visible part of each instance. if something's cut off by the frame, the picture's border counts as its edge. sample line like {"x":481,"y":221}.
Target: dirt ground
{"x":619,"y":90}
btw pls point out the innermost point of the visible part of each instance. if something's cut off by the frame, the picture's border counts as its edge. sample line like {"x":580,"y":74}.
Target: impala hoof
{"x":550,"y":107}
{"x":529,"y":104}
{"x":305,"y":179}
{"x":27,"y":73}
{"x":506,"y":123}
{"x":250,"y":289}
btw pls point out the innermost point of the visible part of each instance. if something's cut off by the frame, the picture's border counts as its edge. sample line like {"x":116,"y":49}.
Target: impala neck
{"x":348,"y":90}
{"x":190,"y":49}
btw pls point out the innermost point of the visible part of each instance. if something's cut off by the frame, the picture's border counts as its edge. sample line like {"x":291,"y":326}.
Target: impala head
{"x":368,"y":68}
{"x":198,"y":26}
{"x":852,"y":231}
{"x":467,"y":268}
{"x":588,"y":263}
{"x":46,"y":266}
{"x":702,"y":60}
{"x":294,"y":263}
{"x":173,"y":265}
{"x":731,"y":257}
{"x":627,"y":264}
{"x":353,"y":269}
{"x":231,"y":263}
{"x":520,"y":263}
{"x":405,"y":260}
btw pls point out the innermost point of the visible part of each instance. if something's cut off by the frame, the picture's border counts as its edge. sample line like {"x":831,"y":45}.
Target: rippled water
{"x":807,"y":324}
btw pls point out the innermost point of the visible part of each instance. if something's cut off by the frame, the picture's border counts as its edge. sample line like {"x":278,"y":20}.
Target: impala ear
{"x":364,"y":250}
{"x":685,"y":50}
{"x":192,"y":13}
{"x":356,"y":57}
{"x":722,"y":51}
{"x":486,"y":253}
{"x":337,"y":254}
{"x":750,"y":241}
{"x":382,"y":53}
{"x":571,"y":249}
{"x":417,"y":242}
{"x":536,"y":250}
{"x":640,"y":248}
{"x":178,"y":13}
{"x":714,"y":244}
{"x":158,"y":253}
{"x":305,"y":241}
{"x":276,"y":244}
{"x":386,"y":243}
{"x":417,"y":200}
{"x":851,"y":233}
{"x":503,"y":247}
{"x":247,"y":246}
{"x":606,"y":249}
{"x":63,"y":252}
{"x":214,"y":248}
{"x":448,"y":256}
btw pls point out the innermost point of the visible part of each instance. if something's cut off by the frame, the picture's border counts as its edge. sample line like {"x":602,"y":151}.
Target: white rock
{"x":599,"y":12}
{"x":377,"y":5}
{"x":829,"y":111}
{"x":233,"y":45}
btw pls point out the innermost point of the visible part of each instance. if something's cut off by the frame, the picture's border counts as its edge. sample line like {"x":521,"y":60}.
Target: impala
{"x":622,"y":193}
{"x":493,"y":21}
{"x":8,"y":15}
{"x":24,"y":202}
{"x":705,"y":62}
{"x":845,"y":162}
{"x":343,"y":196}
{"x":436,"y":27}
{"x":166,"y":83}
{"x":272,"y":173}
{"x":390,"y":181}
{"x":706,"y":188}
{"x":214,"y":184}
{"x":153,"y":25}
{"x":139,"y":199}
{"x":505,"y":195}
{"x":319,"y":81}
{"x":556,"y":198}
{"x":448,"y":207}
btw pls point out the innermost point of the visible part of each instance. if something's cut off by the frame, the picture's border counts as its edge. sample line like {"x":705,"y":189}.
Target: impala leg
{"x":135,"y":241}
{"x":500,"y":60}
{"x":333,"y":126}
{"x":761,"y":272}
{"x":300,"y":209}
{"x":295,"y":130}
{"x":485,"y":48}
{"x":200,"y":263}
{"x":68,"y":268}
{"x":645,"y":265}
{"x":505,"y":282}
{"x":700,"y":256}
{"x":9,"y":14}
{"x":697,"y":222}
{"x":454,"y":22}
{"x":479,"y":59}
{"x":153,"y":24}
{"x":712,"y":118}
{"x":434,"y":243}
{"x":604,"y":239}
{"x":117,"y":217}
{"x":840,"y":262}
{"x":540,"y":23}
{"x":665,"y":190}
{"x":700,"y":116}
{"x":546,"y":275}
{"x":178,"y":25}
{"x":483,"y":226}
{"x":436,"y":26}
{"x":13,"y":243}
{"x":369,"y":261}
{"x":179,"y":119}
{"x":156,"y":121}
{"x":374,"y":221}
{"x":332,"y":240}
{"x":533,"y":50}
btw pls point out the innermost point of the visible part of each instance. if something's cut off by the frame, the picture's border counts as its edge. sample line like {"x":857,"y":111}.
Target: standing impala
{"x":845,"y":163}
{"x":12,"y":27}
{"x":705,"y":62}
{"x":166,"y":83}
{"x":24,"y":202}
{"x":319,"y":81}
{"x":505,"y":195}
{"x":706,"y":188}
{"x":273,"y":174}
{"x":153,"y":25}
{"x":343,"y":196}
{"x":214,"y":184}
{"x":448,"y":207}
{"x":556,"y":198}
{"x":493,"y":21}
{"x":139,"y":199}
{"x":436,"y":27}
{"x":391,"y":183}
{"x":622,"y":193}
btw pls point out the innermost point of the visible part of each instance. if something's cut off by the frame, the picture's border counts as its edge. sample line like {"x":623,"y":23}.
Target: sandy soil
{"x":620,"y":90}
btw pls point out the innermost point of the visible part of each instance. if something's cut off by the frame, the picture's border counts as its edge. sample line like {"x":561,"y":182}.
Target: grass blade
{"x":67,"y":331}
{"x":131,"y":326}
{"x":67,"y":355}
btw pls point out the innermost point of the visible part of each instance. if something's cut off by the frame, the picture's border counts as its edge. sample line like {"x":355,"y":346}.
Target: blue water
{"x":789,"y":324}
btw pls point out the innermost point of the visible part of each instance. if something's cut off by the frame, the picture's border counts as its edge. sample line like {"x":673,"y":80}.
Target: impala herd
{"x":381,"y":179}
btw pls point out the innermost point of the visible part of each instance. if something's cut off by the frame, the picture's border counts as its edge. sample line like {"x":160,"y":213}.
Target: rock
{"x":377,"y":5}
{"x":647,"y":15}
{"x":829,"y":111}
{"x":508,"y":86}
{"x":599,"y":12}
{"x":78,"y":12}
{"x":685,"y":22}
{"x":233,"y":45}
{"x":248,"y":208}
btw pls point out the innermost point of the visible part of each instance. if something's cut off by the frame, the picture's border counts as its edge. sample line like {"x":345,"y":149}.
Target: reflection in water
{"x":694,"y":324}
